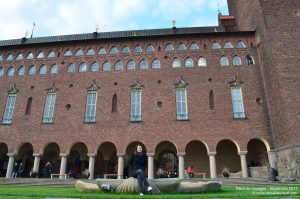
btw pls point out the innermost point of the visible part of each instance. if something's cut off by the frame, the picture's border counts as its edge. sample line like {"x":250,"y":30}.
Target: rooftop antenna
{"x":32,"y":30}
{"x":174,"y":23}
{"x":218,"y":6}
{"x":26,"y":33}
{"x":97,"y":28}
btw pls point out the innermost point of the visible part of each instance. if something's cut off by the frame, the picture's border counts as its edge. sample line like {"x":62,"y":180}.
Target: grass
{"x":242,"y":191}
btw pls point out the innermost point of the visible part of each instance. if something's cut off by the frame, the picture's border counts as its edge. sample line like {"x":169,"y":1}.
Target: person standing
{"x":138,"y":163}
{"x":15,"y":170}
{"x":21,"y":170}
{"x":191,"y":171}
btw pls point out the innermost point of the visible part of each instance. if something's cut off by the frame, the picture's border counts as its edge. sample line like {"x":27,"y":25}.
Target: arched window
{"x":181,"y":47}
{"x":94,"y":67}
{"x":43,"y":70}
{"x":78,"y":53}
{"x":201,"y":62}
{"x":40,"y":55}
{"x":10,"y":72}
{"x":118,"y":65}
{"x":28,"y":106}
{"x":169,"y":47}
{"x":114,"y":107}
{"x":249,"y":60}
{"x":236,"y":60}
{"x":228,"y":45}
{"x":106,"y":66}
{"x":194,"y":46}
{"x":175,"y":63}
{"x":54,"y":69}
{"x":130,"y":65}
{"x":101,"y":51}
{"x":90,"y":52}
{"x":29,"y":55}
{"x":1,"y":71}
{"x":240,"y":44}
{"x":143,"y":64}
{"x":31,"y":70}
{"x":215,"y":45}
{"x":188,"y":63}
{"x":21,"y":71}
{"x":125,"y":50}
{"x":82,"y":67}
{"x":155,"y":63}
{"x":137,"y":49}
{"x":211,"y":100}
{"x":224,"y":61}
{"x":9,"y":57}
{"x":51,"y":54}
{"x":20,"y":56}
{"x":68,"y":53}
{"x":149,"y":48}
{"x":71,"y":68}
{"x":113,"y":50}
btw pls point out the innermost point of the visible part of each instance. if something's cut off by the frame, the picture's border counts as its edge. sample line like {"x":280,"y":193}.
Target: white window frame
{"x":9,"y":109}
{"x":181,"y":104}
{"x":90,"y":108}
{"x":136,"y":106}
{"x":49,"y":108}
{"x":237,"y":103}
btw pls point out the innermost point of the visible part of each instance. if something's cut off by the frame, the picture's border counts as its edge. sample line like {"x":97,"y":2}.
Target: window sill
{"x":6,"y":124}
{"x":136,"y":121}
{"x":47,"y":123}
{"x":245,"y":118}
{"x":89,"y":122}
{"x":182,"y":120}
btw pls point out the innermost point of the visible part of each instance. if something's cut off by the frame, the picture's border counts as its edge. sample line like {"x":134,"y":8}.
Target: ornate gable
{"x":235,"y":82}
{"x":180,"y":83}
{"x":93,"y":86}
{"x":13,"y":90}
{"x":136,"y":85}
{"x":52,"y":89}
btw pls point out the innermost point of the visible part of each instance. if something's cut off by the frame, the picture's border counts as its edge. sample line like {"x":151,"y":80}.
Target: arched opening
{"x":28,"y":106}
{"x":106,"y":161}
{"x":211,"y":100}
{"x":196,"y":156}
{"x":165,"y":160}
{"x":114,"y":107}
{"x":77,"y":161}
{"x":227,"y":157}
{"x":51,"y":155}
{"x":25,"y":157}
{"x":3,"y":159}
{"x":129,"y":152}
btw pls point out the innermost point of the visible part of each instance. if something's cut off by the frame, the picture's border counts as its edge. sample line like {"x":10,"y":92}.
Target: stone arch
{"x":50,"y":153}
{"x":106,"y":160}
{"x":77,"y":160}
{"x":24,"y":155}
{"x":257,"y":153}
{"x":3,"y":159}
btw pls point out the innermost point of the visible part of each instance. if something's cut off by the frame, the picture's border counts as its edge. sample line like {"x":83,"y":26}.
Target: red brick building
{"x":211,"y":97}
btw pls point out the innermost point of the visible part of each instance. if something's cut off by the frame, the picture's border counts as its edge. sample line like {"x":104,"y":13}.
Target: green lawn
{"x":242,"y":191}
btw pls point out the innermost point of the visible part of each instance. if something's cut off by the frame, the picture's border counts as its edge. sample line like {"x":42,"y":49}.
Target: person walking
{"x":138,"y":163}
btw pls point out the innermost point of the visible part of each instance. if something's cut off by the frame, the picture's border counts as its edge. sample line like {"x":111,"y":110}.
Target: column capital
{"x":181,"y":153}
{"x":211,"y":153}
{"x":120,"y":154}
{"x":272,"y":151}
{"x":150,"y":154}
{"x":36,"y":154}
{"x":11,"y":154}
{"x":63,"y":155}
{"x":242,"y":152}
{"x":91,"y":155}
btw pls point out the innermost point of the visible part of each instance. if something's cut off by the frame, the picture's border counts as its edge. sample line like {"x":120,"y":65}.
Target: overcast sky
{"x":60,"y":17}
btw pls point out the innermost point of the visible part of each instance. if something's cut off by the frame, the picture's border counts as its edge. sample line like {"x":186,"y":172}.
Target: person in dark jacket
{"x":138,"y":163}
{"x":15,"y":170}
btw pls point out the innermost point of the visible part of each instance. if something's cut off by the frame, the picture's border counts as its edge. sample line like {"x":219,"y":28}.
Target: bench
{"x":65,"y":175}
{"x":203,"y":174}
{"x":106,"y":175}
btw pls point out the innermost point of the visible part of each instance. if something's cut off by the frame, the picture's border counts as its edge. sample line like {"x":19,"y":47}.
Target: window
{"x":125,"y":50}
{"x":29,"y":55}
{"x":249,"y":60}
{"x":31,"y":71}
{"x":188,"y":63}
{"x":169,"y":48}
{"x":155,"y":63}
{"x":228,"y":45}
{"x":20,"y":56}
{"x":51,"y":54}
{"x":181,"y":104}
{"x":114,"y":104}
{"x":9,"y":57}
{"x":10,"y":72}
{"x":106,"y":66}
{"x":149,"y":49}
{"x":82,"y":67}
{"x":215,"y":45}
{"x":135,"y":108}
{"x":143,"y":64}
{"x":68,"y":53}
{"x":224,"y":61}
{"x":49,"y":108}
{"x":237,"y":102}
{"x":130,"y":65}
{"x":9,"y":109}
{"x":176,"y":63}
{"x":181,"y":47}
{"x":90,"y":110}
{"x":28,"y":106}
{"x":194,"y":46}
{"x":101,"y":51}
{"x":78,"y":53}
{"x":201,"y":62}
{"x":138,"y":49}
{"x":118,"y":66}
{"x":211,"y":100}
{"x":1,"y":71}
{"x":240,"y":44}
{"x":43,"y":70}
{"x":40,"y":55}
{"x":1,"y":57}
{"x":236,"y":61}
{"x":113,"y":50}
{"x":21,"y":71}
{"x":54,"y":69}
{"x":71,"y":68}
{"x":90,"y":52}
{"x":94,"y":67}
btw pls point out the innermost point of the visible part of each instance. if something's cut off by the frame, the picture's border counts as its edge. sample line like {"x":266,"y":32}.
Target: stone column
{"x":63,"y":164}
{"x":120,"y":165}
{"x":10,"y":165}
{"x":36,"y":165}
{"x":272,"y":159}
{"x":212,"y":164}
{"x":181,"y":164}
{"x":91,"y":164}
{"x":244,"y":163}
{"x":150,"y":165}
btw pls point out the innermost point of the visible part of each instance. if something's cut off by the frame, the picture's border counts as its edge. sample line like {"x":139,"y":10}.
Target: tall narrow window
{"x":49,"y":107}
{"x":114,"y":107}
{"x":181,"y":100}
{"x":90,"y":110}
{"x":9,"y":108}
{"x":28,"y":106}
{"x":135,"y":112}
{"x":237,"y":102}
{"x":211,"y":100}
